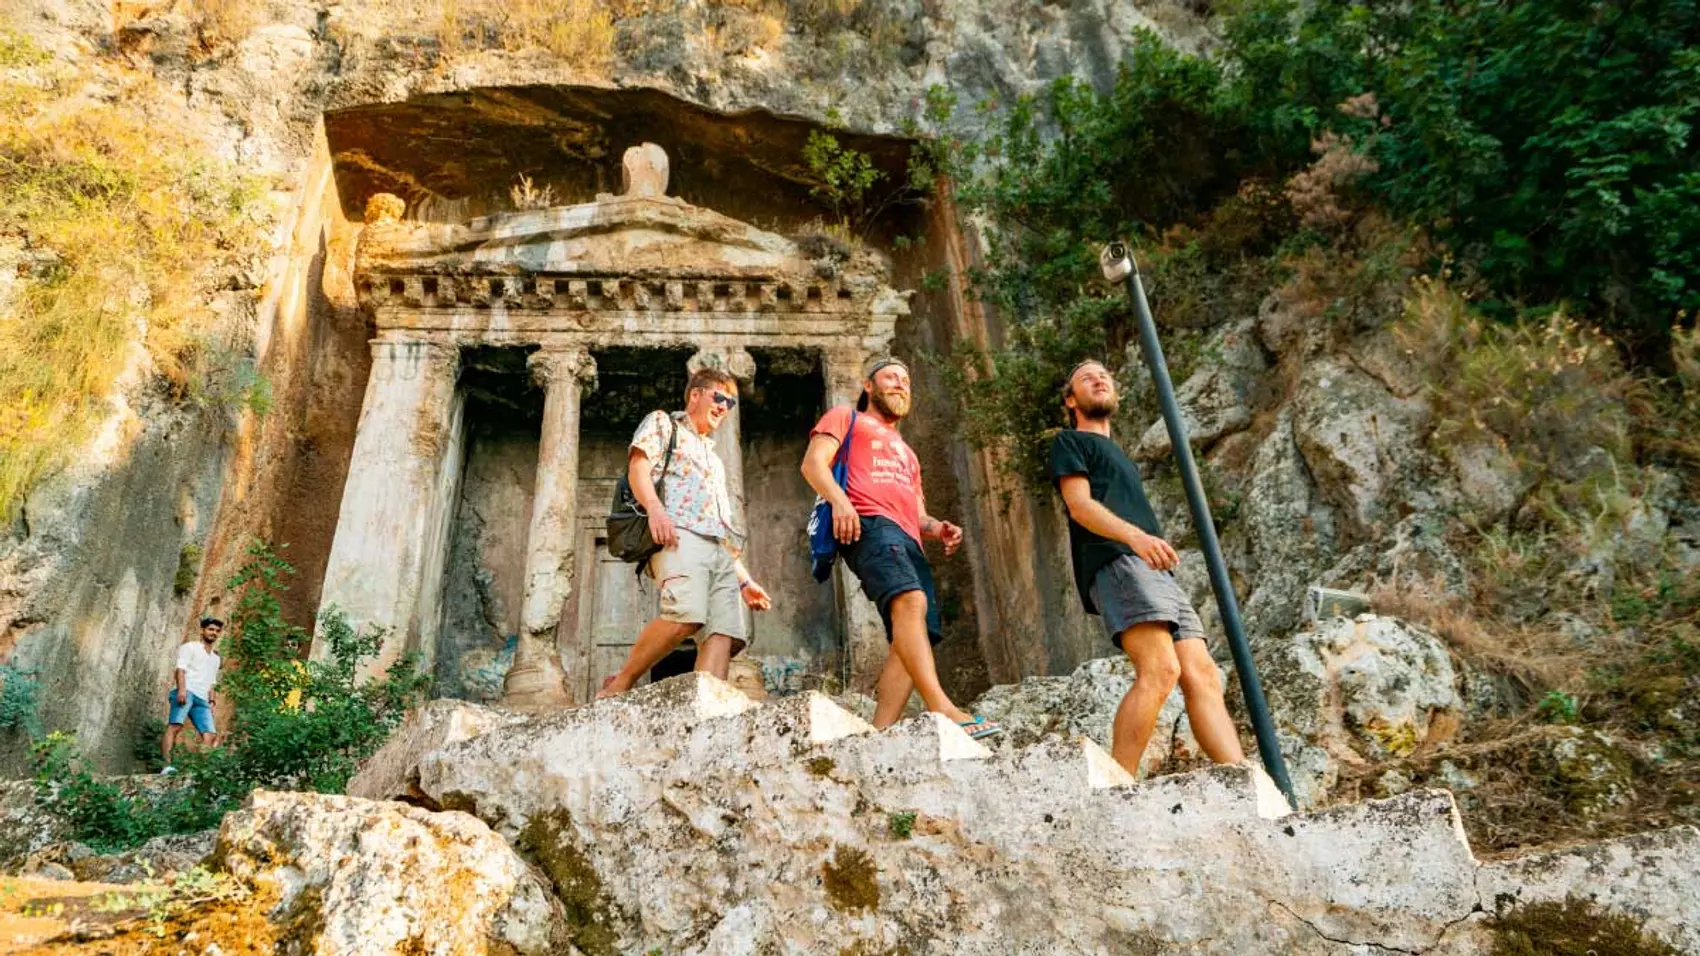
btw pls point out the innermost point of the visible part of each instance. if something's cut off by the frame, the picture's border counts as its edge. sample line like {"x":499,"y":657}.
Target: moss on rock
{"x":1572,"y":928}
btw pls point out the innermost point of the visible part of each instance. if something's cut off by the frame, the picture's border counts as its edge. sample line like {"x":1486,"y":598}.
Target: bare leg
{"x":1152,"y":650}
{"x":892,"y":692}
{"x":655,"y":641}
{"x":715,"y":655}
{"x":1201,"y":684}
{"x":909,"y":645}
{"x":170,"y":742}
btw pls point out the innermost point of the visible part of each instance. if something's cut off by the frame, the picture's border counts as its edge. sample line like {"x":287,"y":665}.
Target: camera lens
{"x":1118,"y":251}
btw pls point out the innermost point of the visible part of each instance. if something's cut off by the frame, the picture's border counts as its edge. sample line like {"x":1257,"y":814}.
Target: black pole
{"x":1117,"y":262}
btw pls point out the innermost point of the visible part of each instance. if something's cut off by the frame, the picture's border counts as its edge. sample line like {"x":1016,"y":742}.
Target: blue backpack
{"x":823,"y":547}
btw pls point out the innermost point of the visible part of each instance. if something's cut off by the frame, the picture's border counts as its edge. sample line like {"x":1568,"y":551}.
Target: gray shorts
{"x":1127,"y":591}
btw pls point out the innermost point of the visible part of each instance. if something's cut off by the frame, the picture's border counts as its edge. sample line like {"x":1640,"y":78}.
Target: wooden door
{"x":612,"y":609}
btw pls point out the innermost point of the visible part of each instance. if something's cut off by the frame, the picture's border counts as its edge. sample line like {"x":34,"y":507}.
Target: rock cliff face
{"x":325,"y":103}
{"x":682,"y":818}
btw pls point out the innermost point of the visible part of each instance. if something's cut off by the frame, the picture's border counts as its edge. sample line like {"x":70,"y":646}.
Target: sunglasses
{"x":724,"y":401}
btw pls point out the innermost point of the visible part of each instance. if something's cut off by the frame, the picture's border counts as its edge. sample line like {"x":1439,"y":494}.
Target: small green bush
{"x":901,"y":825}
{"x":1558,"y":707}
{"x":20,"y":700}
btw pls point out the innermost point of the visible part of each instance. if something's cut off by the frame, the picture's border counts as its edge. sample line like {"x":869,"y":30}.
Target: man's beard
{"x":1096,"y":408}
{"x":893,"y":405}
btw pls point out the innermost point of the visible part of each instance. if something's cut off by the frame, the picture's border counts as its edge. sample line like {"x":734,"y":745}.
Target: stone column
{"x":864,"y":633}
{"x":536,"y":681}
{"x":391,"y":542}
{"x":729,"y":437}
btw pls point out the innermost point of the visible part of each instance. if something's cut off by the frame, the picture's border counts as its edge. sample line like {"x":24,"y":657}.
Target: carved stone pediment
{"x":635,"y":237}
{"x":634,"y":252}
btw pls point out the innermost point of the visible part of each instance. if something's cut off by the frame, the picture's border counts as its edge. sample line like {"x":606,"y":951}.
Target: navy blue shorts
{"x":888,"y":562}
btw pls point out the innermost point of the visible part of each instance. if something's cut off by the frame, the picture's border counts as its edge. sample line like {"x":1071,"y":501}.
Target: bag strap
{"x":667,"y":459}
{"x":842,"y":459}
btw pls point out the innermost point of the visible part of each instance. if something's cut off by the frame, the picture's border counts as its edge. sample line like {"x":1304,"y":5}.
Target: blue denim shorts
{"x":197,"y":709}
{"x":888,"y":562}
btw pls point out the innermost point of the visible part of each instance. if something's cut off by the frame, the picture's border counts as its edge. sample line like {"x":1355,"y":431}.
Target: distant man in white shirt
{"x":192,"y":693}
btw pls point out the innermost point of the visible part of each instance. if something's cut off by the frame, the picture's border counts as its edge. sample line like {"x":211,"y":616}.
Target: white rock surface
{"x":392,"y":772}
{"x":1220,"y":398}
{"x":682,"y":818}
{"x":1361,"y":442}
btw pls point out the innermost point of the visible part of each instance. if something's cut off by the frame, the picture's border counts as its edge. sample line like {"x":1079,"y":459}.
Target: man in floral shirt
{"x":703,"y":586}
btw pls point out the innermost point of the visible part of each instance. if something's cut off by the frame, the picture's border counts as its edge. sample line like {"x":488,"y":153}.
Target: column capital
{"x":407,"y":359}
{"x":571,"y":364}
{"x":735,"y":360}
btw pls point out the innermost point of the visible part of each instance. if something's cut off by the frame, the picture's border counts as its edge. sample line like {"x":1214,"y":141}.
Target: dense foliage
{"x":1543,"y":150}
{"x":299,"y":724}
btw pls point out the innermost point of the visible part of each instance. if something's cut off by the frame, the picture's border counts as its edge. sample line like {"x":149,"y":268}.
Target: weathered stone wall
{"x":486,"y":566}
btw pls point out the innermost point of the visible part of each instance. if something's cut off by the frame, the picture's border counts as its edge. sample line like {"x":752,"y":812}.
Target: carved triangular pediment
{"x":637,"y":251}
{"x":634,"y":237}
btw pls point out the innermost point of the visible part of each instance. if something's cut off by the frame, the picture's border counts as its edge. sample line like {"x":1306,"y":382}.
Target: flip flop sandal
{"x":979,"y":728}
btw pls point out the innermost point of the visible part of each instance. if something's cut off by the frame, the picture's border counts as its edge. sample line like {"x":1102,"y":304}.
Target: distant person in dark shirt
{"x":1125,"y":573}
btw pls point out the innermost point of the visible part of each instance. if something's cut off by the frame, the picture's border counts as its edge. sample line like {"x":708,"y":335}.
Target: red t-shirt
{"x":884,"y":474}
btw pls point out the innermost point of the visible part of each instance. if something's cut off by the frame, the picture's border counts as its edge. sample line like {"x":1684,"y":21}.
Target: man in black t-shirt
{"x":1124,"y":571}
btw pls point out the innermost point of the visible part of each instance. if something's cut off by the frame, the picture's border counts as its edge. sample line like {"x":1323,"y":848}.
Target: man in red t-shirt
{"x":879,"y":521}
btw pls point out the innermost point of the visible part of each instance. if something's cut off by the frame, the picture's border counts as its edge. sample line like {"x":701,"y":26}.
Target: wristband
{"x":746,"y":583}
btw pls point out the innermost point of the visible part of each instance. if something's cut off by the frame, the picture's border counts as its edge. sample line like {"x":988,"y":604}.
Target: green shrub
{"x":1557,"y":707}
{"x":901,"y":825}
{"x":20,"y":700}
{"x":144,"y":746}
{"x":298,"y":724}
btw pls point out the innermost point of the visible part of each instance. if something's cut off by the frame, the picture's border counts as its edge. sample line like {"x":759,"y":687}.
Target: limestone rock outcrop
{"x":1349,"y":690}
{"x":354,"y":876}
{"x":1222,"y":396}
{"x":686,"y":819}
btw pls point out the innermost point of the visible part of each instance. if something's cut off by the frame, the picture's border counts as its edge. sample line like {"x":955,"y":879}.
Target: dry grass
{"x":581,"y":32}
{"x":526,"y":194}
{"x":125,"y":224}
{"x":1552,"y":389}
{"x":226,"y":20}
{"x":1536,"y":659}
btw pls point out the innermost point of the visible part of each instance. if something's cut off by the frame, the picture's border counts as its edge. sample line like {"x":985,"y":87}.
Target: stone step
{"x":565,"y":760}
{"x":1648,"y":874}
{"x":909,"y":751}
{"x":685,"y":804}
{"x":1398,"y":871}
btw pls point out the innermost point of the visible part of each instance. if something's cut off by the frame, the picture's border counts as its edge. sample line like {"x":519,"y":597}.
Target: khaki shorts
{"x":698,"y":584}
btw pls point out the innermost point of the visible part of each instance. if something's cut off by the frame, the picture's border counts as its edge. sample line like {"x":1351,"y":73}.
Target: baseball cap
{"x":873,"y":369}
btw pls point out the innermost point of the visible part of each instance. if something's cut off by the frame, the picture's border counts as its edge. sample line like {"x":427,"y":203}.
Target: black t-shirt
{"x":1115,"y":483}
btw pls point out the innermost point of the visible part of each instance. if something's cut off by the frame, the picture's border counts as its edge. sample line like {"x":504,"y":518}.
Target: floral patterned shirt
{"x":694,"y":493}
